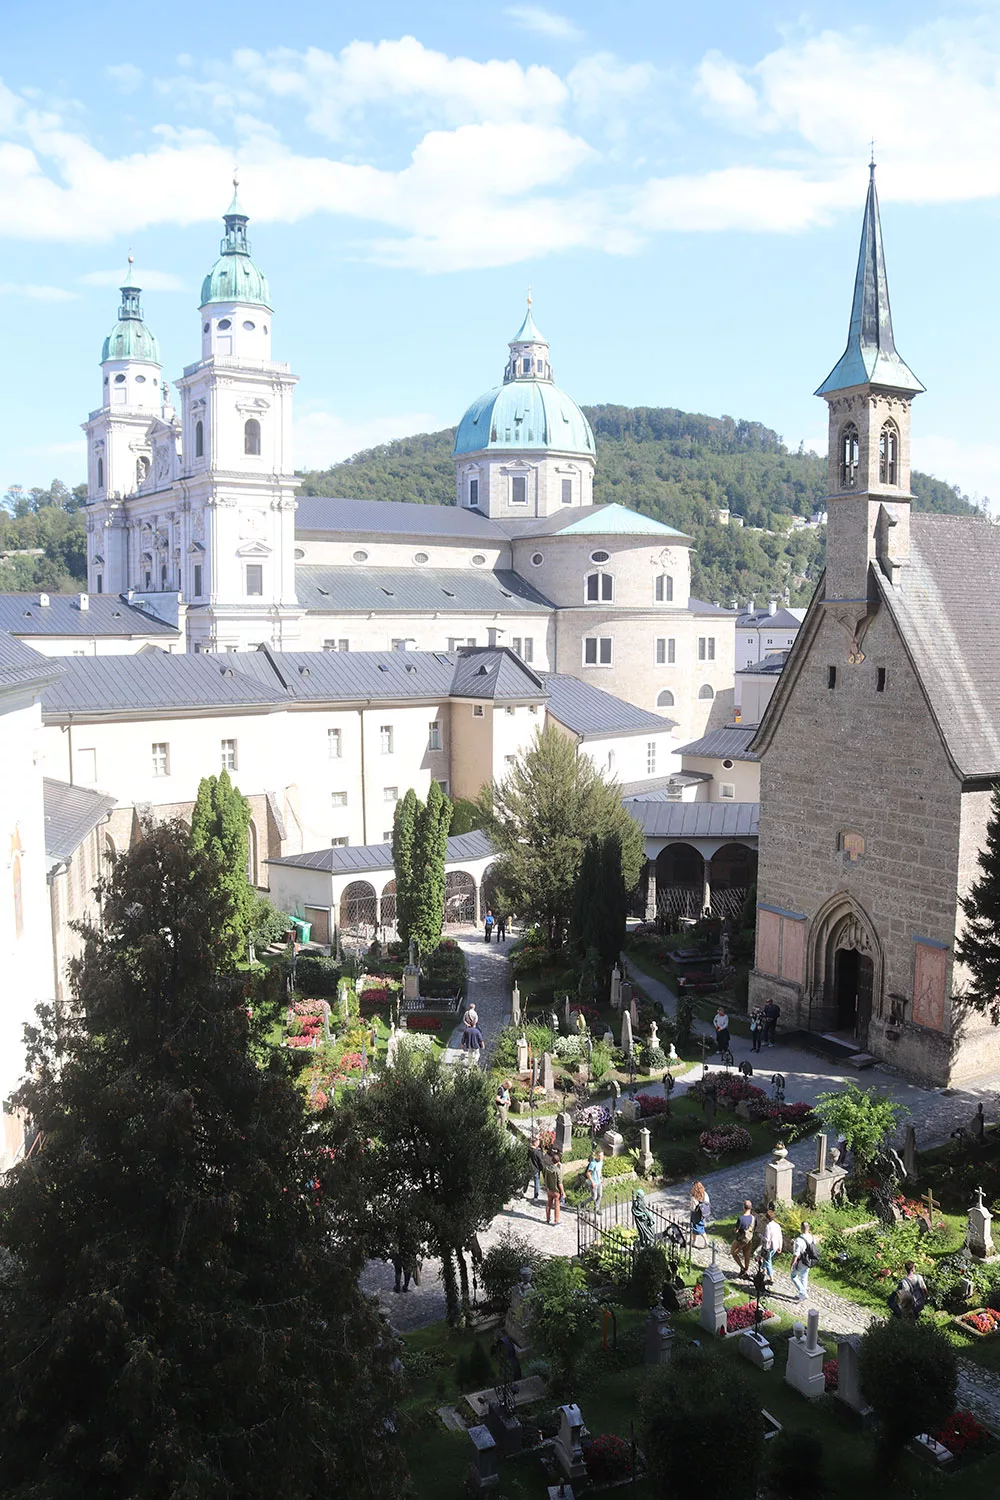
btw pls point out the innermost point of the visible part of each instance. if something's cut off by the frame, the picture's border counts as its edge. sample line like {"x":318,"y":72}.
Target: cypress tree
{"x":219,"y":826}
{"x":430,"y":849}
{"x":978,"y":947}
{"x":179,"y":1315}
{"x":600,"y":905}
{"x":404,"y":832}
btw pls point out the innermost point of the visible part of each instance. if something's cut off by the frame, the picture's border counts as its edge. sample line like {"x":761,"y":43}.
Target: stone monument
{"x":608,"y":1039}
{"x":614,"y":1142}
{"x":978,"y":1236}
{"x":630,"y":1111}
{"x":515,"y":1007}
{"x":755,"y":1347}
{"x":778,"y":1176}
{"x":713,"y":1298}
{"x":659,"y":1335}
{"x":645,"y":1154}
{"x":483,"y":1476}
{"x":517,"y":1324}
{"x":804,"y":1370}
{"x":411,"y":977}
{"x":820,"y":1181}
{"x":654,"y":1034}
{"x":522,"y":1054}
{"x":633,"y":1010}
{"x":626,"y":1033}
{"x":568,"y":1449}
{"x":616,"y":1096}
{"x":564,"y":1132}
{"x":848,"y":1378}
{"x":616,"y":988}
{"x":547,"y":1078}
{"x":910,"y":1152}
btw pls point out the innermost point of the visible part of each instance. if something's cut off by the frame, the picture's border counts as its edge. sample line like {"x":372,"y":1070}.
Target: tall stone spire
{"x":870,"y":357}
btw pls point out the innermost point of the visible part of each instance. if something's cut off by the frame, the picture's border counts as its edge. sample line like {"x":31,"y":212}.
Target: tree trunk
{"x":463,"y":1274}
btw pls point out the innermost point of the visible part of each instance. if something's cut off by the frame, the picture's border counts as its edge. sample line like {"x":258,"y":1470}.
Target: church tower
{"x":119,"y":448}
{"x":237,"y":473}
{"x":525,"y":449}
{"x":869,"y":393}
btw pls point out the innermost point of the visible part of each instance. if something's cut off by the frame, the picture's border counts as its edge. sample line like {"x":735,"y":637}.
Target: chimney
{"x":750,"y":606}
{"x":84,"y":601}
{"x":43,"y":601}
{"x":772,"y":607}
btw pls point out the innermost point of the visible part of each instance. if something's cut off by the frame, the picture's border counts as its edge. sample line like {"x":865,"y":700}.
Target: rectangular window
{"x":661,"y":651}
{"x":473,"y":491}
{"x":335,"y":743}
{"x":149,"y":578}
{"x":86,"y":766}
{"x":509,"y":760}
{"x":255,"y":580}
{"x":880,"y":679}
{"x":340,"y":843}
{"x":597,"y":651}
{"x":390,"y":794}
{"x":161,"y":760}
{"x":197,"y":580}
{"x":671,"y":650}
{"x":650,"y":757}
{"x":387,"y":836}
{"x":229,"y":755}
{"x":477,"y":711}
{"x":444,"y":787}
{"x":515,"y":645}
{"x":434,"y":735}
{"x":706,"y":648}
{"x":567,"y":492}
{"x":385,"y":739}
{"x":338,"y":799}
{"x":727,"y":791}
{"x":831,"y":677}
{"x":337,"y":645}
{"x":533,"y":708}
{"x":519,"y":490}
{"x":399,"y":643}
{"x":509,"y":710}
{"x":529,"y":648}
{"x":100,"y":583}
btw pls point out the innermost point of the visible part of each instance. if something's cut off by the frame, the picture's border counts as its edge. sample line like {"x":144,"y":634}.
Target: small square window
{"x":477,"y":711}
{"x":509,"y":760}
{"x":509,"y":710}
{"x":533,"y":709}
{"x":338,"y":799}
{"x":340,"y":843}
{"x":444,"y":787}
{"x":387,"y":836}
{"x":727,"y":791}
{"x":390,"y":794}
{"x":473,"y":491}
{"x":229,"y":755}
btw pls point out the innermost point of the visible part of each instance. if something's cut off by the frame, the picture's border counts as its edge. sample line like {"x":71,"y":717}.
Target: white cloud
{"x":35,"y":293}
{"x":601,"y":83}
{"x":973,"y":466}
{"x":127,"y":76}
{"x":762,"y":199}
{"x":543,"y":22}
{"x":322,"y":438}
{"x":146,"y":280}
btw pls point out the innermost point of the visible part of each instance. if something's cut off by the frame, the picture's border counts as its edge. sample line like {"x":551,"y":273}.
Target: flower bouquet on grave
{"x":984,"y":1322}
{"x":744,"y":1316}
{"x":962,"y":1434}
{"x":831,"y":1375}
{"x":607,"y":1458}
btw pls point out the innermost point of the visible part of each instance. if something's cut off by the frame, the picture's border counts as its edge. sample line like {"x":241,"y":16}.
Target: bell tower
{"x":869,"y":393}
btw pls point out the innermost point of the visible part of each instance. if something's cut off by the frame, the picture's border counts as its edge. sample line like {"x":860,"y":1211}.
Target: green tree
{"x":600,"y":905}
{"x":465,"y":816}
{"x":219,"y":824}
{"x":978,"y":947}
{"x":564,"y":1315}
{"x":404,"y":833}
{"x":909,"y":1376}
{"x":701,"y":1427}
{"x":430,"y":850}
{"x":178,"y":1317}
{"x":434,"y":1166}
{"x":539,"y":819}
{"x":864,"y":1117}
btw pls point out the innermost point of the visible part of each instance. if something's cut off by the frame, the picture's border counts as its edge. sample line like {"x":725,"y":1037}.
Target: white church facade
{"x":192,"y":515}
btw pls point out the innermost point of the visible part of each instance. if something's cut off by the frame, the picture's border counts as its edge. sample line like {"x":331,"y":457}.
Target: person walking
{"x":553,"y":1177}
{"x":502,"y":1103}
{"x":910,"y":1296}
{"x":502,"y":927}
{"x":757,"y":1028}
{"x":473,"y":1045}
{"x":701,"y":1210}
{"x":743,"y":1243}
{"x":771,"y":1015}
{"x":721,"y":1023}
{"x":595,"y":1176}
{"x":536,"y":1160}
{"x":471,"y":1017}
{"x":488,"y":925}
{"x":772,"y":1244}
{"x":804,"y":1256}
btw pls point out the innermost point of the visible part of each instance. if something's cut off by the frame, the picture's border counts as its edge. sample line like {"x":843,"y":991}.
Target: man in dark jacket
{"x":771,"y":1014}
{"x":536,"y":1159}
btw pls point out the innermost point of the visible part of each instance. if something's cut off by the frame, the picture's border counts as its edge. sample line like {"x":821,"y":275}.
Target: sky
{"x":681,"y":187}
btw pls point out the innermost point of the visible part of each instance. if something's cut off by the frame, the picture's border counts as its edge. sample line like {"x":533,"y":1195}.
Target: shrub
{"x":568,"y":1048}
{"x":684,"y":1024}
{"x":268,"y":924}
{"x":316,"y":975}
{"x":649,"y":1274}
{"x":909,"y":1375}
{"x":656,"y":1057}
{"x":600,"y":1061}
{"x":501,"y":1267}
{"x":722,"y":1139}
{"x":608,"y":1458}
{"x":540,"y":1038}
{"x":652,"y":1104}
{"x":612,"y":1255}
{"x":796,"y":1461}
{"x":864,"y":1117}
{"x":474,"y":1369}
{"x":702,"y":1432}
{"x":618,"y":1166}
{"x":504,"y":1054}
{"x":565,"y":1315}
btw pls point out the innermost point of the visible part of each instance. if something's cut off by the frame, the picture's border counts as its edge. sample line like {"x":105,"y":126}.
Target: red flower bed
{"x":590,"y":1013}
{"x":744,"y":1316}
{"x":652,"y":1104}
{"x":963,"y":1434}
{"x":309,"y":1008}
{"x":724,"y":1138}
{"x":831,"y":1375}
{"x":416,"y":1022}
{"x":986,"y":1321}
{"x":306,"y":1040}
{"x":732,"y":1087}
{"x":608,"y":1457}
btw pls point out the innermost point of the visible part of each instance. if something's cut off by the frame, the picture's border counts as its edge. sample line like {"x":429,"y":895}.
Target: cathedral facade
{"x":192,"y":514}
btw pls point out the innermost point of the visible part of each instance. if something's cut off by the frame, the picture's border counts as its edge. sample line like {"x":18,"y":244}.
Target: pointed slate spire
{"x":870,"y":357}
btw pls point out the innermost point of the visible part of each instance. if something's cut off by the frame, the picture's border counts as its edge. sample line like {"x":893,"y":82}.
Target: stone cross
{"x":654,"y":1034}
{"x":626,"y":1033}
{"x":564,"y":1131}
{"x":930,"y":1207}
{"x":616,"y":1095}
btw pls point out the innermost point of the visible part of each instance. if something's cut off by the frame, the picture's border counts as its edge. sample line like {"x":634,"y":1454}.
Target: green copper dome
{"x":234,"y":277}
{"x":130,"y":338}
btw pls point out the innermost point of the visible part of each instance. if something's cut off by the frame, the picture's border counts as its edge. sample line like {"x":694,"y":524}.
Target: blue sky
{"x":682,"y":187}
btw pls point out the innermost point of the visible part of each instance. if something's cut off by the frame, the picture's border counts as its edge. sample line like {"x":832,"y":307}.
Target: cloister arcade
{"x":686,"y":877}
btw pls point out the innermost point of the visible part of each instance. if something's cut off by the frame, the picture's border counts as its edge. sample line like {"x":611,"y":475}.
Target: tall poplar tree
{"x":179,"y":1315}
{"x":219,"y":825}
{"x":430,"y":850}
{"x":978,"y":948}
{"x":404,"y":832}
{"x":600,"y":905}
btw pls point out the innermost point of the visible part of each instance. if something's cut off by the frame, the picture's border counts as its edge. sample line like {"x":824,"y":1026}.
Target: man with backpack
{"x":910,"y":1297}
{"x":746,"y":1231}
{"x":804,"y":1256}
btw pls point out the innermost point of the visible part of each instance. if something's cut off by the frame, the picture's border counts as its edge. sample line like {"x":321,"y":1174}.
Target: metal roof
{"x":20,"y":666}
{"x":782,"y":619}
{"x":106,"y":614}
{"x":730,"y":743}
{"x":359,"y":858}
{"x":335,"y":589}
{"x":393,"y":518}
{"x":495,"y":674}
{"x":590,"y":520}
{"x":349,"y":676}
{"x":70,"y":814}
{"x":524,"y":414}
{"x":153,"y":681}
{"x":702,"y":607}
{"x":589,"y":711}
{"x":771,"y":666}
{"x":870,"y":356}
{"x":696,"y":820}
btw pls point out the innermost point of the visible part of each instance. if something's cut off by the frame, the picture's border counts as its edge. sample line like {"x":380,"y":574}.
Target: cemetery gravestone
{"x":566,"y":1011}
{"x":515,"y":1007}
{"x":564,"y":1132}
{"x":483,"y":1475}
{"x":804,"y":1370}
{"x":713,"y":1298}
{"x":848,"y":1377}
{"x":614,"y":1142}
{"x":654,"y":1034}
{"x":608,"y":1039}
{"x":755,"y":1348}
{"x":659,"y":1335}
{"x":568,"y":1449}
{"x":633,"y":1011}
{"x":548,"y":1078}
{"x":522,"y":1054}
{"x":616,"y":1096}
{"x":910,"y":1152}
{"x":517,"y":1325}
{"x":616,"y":988}
{"x":630,"y":1111}
{"x":626,"y":1033}
{"x":645,"y":1154}
{"x":820,"y":1181}
{"x":979,"y":1236}
{"x":778,"y":1176}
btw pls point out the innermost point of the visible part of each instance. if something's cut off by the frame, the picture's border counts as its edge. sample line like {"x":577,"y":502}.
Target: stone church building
{"x":881,"y":744}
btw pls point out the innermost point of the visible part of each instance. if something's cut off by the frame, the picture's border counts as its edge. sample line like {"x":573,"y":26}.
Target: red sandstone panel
{"x":768,"y":939}
{"x":929,"y":972}
{"x":793,"y":950}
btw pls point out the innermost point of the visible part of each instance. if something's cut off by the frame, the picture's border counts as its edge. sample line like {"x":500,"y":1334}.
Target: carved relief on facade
{"x":930,"y":969}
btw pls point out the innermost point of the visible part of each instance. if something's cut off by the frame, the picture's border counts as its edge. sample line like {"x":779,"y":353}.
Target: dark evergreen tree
{"x":430,"y":850}
{"x":404,"y":833}
{"x":179,"y":1312}
{"x":978,"y":946}
{"x":219,"y":825}
{"x":600,"y":905}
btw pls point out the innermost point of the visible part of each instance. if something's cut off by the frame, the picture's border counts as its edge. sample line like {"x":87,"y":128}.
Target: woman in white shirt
{"x":772,"y":1244}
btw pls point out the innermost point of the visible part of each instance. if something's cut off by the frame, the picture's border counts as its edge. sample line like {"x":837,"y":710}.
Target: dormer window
{"x":888,"y":454}
{"x":849,"y":455}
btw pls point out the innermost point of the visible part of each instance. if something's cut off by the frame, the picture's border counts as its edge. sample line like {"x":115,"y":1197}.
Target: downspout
{"x":364,"y":788}
{"x":69,"y":744}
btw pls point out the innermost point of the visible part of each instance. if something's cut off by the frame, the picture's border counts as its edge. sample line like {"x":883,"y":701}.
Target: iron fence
{"x":593,"y":1229}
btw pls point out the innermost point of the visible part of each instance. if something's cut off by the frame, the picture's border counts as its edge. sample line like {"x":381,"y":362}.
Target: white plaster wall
{"x":99,"y":645}
{"x":625,"y":757}
{"x":338,"y":550}
{"x":634,"y":563}
{"x":428,"y":632}
{"x":743,"y":775}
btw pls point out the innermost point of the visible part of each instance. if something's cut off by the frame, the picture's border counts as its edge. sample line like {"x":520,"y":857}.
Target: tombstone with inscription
{"x":633,"y":1010}
{"x":614,"y":1142}
{"x":626,"y":1033}
{"x":608,"y":1039}
{"x":659,"y":1335}
{"x":630,"y":1111}
{"x":483,"y":1476}
{"x":820,"y":1181}
{"x":804,"y":1370}
{"x":979,"y":1235}
{"x":713,"y":1298}
{"x":645,"y":1154}
{"x":566,"y":1021}
{"x":616,"y":988}
{"x":411,"y":977}
{"x":848,"y":1375}
{"x":520,"y":1311}
{"x":522,"y":1054}
{"x":547,"y":1078}
{"x":564,"y":1132}
{"x":568,"y":1445}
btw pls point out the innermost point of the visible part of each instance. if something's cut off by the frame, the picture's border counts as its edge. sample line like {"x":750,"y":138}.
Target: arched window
{"x":665,"y":699}
{"x":664,"y":588}
{"x":251,"y":437}
{"x":600,"y":588}
{"x":100,"y":473}
{"x":888,"y":454}
{"x":706,"y":690}
{"x":849,"y":452}
{"x":199,"y":440}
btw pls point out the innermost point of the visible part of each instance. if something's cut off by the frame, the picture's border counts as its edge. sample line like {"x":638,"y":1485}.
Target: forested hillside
{"x":42,"y":540}
{"x":681,"y":468}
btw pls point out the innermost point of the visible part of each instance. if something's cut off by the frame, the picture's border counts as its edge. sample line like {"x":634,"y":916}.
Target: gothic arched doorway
{"x":845,"y":965}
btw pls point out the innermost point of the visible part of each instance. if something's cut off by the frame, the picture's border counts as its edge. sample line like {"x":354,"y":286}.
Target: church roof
{"x":729,"y":743}
{"x":592,"y":520}
{"x":350,"y":586}
{"x":591,"y":712}
{"x":527,"y":415}
{"x":130,"y":338}
{"x":870,"y":357}
{"x":235,"y":277}
{"x":70,"y":814}
{"x":528,"y":332}
{"x":152,"y":682}
{"x":22,"y":667}
{"x":106,"y":614}
{"x":393,"y":518}
{"x":495,"y":675}
{"x":695,"y":820}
